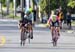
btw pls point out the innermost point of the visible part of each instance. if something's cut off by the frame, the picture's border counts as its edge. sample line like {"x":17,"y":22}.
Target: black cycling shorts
{"x":30,"y":21}
{"x":61,"y":20}
{"x":56,"y":24}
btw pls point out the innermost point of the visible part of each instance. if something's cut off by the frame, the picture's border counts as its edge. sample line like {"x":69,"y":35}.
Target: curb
{"x":10,"y":20}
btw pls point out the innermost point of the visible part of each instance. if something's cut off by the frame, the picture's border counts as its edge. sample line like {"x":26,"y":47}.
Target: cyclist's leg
{"x":30,"y":28}
{"x":52,"y":29}
{"x":58,"y":28}
{"x":21,"y":36}
{"x":61,"y":23}
{"x":57,"y":32}
{"x":53,"y":35}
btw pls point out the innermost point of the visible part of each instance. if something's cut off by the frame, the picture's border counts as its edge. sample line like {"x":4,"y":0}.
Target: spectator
{"x":68,"y":18}
{"x":61,"y":16}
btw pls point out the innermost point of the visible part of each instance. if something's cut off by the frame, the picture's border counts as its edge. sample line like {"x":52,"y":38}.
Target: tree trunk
{"x":7,"y":6}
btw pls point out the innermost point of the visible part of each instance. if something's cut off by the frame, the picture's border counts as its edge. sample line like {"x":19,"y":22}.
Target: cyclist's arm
{"x":19,"y":24}
{"x":48,"y":22}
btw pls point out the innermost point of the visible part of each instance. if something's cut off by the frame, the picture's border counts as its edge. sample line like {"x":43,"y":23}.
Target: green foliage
{"x":71,"y":4}
{"x":3,"y":2}
{"x":11,"y":1}
{"x":45,"y":6}
{"x":48,"y":5}
{"x":11,"y":5}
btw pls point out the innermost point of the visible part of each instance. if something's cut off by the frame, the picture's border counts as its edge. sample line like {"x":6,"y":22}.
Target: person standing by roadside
{"x":61,"y":16}
{"x":68,"y":18}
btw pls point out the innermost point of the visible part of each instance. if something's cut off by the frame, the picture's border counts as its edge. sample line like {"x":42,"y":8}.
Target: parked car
{"x":18,"y":9}
{"x":44,"y":19}
{"x":73,"y":16}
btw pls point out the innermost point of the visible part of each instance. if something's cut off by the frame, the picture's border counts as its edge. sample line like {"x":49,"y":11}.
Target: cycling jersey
{"x":54,"y":18}
{"x":29,"y":18}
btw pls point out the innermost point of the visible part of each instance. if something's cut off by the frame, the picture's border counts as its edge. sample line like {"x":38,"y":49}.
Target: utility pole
{"x":22,"y":12}
{"x":22,"y":4}
{"x":14,"y":1}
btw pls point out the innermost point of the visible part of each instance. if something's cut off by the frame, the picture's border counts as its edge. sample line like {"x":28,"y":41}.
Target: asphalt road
{"x":41,"y":42}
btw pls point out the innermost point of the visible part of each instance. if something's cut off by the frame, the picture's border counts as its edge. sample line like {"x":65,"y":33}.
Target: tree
{"x":45,"y":6}
{"x":71,"y":4}
{"x":48,"y":5}
{"x":3,"y":2}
